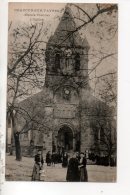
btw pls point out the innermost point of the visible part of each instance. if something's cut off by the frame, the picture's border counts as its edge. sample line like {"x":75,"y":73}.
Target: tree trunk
{"x":16,"y":140}
{"x":17,"y":146}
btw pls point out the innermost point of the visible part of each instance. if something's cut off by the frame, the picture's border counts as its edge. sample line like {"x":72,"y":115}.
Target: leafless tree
{"x":26,"y":66}
{"x":27,"y":117}
{"x":104,"y":122}
{"x":100,"y":21}
{"x":108,"y":91}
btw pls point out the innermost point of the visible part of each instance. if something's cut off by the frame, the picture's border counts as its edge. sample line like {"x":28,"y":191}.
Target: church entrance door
{"x":65,"y":138}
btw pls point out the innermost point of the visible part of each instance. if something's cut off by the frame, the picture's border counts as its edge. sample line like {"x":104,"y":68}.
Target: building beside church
{"x":65,"y":111}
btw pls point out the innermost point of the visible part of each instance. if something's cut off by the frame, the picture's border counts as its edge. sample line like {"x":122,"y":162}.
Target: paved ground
{"x":22,"y":171}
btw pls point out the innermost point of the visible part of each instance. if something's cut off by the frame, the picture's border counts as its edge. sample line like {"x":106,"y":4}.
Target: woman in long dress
{"x":37,"y":166}
{"x":65,"y":160}
{"x":48,"y":158}
{"x":83,"y":175}
{"x":73,"y":170}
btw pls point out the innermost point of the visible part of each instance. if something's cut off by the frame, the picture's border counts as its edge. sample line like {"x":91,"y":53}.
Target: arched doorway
{"x":65,"y":138}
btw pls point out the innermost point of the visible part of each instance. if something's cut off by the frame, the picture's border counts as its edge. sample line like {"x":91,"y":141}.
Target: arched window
{"x":77,"y":61}
{"x":57,"y":60}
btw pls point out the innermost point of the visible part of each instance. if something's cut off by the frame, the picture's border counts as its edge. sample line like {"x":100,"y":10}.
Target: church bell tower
{"x":66,"y":80}
{"x":66,"y":54}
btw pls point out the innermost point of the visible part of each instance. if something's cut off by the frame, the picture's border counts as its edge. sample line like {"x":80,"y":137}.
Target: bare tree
{"x":104,"y":122}
{"x":99,"y":20}
{"x":108,"y":91}
{"x":27,"y":117}
{"x":26,"y":66}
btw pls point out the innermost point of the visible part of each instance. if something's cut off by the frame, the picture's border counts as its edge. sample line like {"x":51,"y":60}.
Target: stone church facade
{"x":65,"y":106}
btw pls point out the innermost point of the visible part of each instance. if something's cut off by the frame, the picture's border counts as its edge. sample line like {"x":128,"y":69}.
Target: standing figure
{"x":78,"y":156}
{"x":53,"y":158}
{"x":82,"y":168}
{"x":37,"y":166}
{"x":48,"y":158}
{"x":62,"y":150}
{"x":73,"y":171}
{"x":65,"y":160}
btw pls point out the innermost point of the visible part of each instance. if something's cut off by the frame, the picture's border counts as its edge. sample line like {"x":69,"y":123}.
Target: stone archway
{"x":65,"y":138}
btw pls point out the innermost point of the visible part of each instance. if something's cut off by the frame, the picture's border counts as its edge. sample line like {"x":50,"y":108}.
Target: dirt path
{"x":22,"y":171}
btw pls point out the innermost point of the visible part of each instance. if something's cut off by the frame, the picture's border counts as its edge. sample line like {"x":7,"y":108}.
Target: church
{"x":65,"y":110}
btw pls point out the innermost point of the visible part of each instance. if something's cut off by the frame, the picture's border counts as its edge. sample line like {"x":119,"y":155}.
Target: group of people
{"x":54,"y":158}
{"x":102,"y":159}
{"x":76,"y":165}
{"x":77,"y":170}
